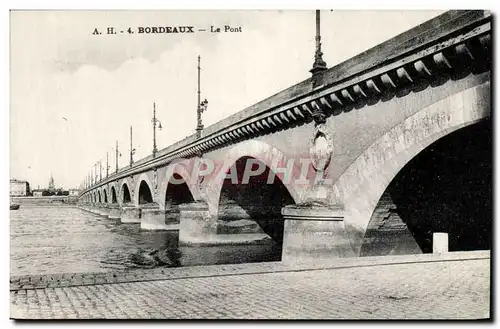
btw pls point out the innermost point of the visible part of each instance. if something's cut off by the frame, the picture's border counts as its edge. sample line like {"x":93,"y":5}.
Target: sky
{"x":74,"y":94}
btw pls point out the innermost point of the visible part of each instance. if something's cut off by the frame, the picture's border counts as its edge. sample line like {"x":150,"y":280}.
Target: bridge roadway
{"x":446,"y":286}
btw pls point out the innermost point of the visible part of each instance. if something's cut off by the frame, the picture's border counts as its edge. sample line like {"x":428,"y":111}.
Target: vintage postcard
{"x":259,"y":164}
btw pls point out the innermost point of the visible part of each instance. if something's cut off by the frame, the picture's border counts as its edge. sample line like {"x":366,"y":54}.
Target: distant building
{"x":52,"y":186}
{"x":38,"y":192}
{"x":74,"y":192}
{"x":19,"y":187}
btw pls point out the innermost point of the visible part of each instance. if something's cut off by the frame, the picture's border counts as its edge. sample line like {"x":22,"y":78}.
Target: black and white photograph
{"x":319,"y":164}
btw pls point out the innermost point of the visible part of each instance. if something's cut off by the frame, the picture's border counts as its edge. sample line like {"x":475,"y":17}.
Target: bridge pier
{"x":130,"y":214}
{"x":172,"y":216}
{"x":153,"y":218}
{"x":233,"y":219}
{"x":114,"y":211}
{"x":196,"y":224}
{"x":104,"y":210}
{"x":94,"y":208}
{"x":313,"y":232}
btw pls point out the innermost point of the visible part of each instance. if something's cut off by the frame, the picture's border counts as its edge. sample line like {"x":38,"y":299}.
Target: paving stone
{"x":458,"y":289}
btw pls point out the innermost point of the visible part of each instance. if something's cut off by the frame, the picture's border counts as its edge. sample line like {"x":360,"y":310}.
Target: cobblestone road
{"x":435,"y":290}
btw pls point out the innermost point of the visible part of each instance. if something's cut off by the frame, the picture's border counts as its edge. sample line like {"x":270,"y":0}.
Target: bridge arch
{"x":267,"y":154}
{"x":114,"y":198}
{"x":173,"y":191}
{"x":105,"y":194}
{"x":253,"y":201}
{"x":362,"y":185}
{"x":144,"y":192}
{"x":125,"y":195}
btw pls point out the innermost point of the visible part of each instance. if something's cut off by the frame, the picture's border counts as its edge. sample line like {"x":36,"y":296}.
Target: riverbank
{"x":34,"y":201}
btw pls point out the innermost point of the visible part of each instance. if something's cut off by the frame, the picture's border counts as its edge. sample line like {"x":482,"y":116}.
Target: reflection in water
{"x":65,"y":239}
{"x":170,"y":257}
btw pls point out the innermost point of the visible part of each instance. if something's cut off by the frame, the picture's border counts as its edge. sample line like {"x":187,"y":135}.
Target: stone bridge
{"x":368,"y":158}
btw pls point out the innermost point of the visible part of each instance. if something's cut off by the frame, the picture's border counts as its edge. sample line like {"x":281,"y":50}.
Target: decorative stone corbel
{"x":155,"y":182}
{"x":321,"y":151}
{"x":132,"y":187}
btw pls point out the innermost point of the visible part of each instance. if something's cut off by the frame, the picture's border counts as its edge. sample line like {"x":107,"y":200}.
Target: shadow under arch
{"x":113,"y":195}
{"x":269,"y":155}
{"x":445,"y":188}
{"x":255,"y":200}
{"x":177,"y":187}
{"x":144,"y":194}
{"x":143,"y":191}
{"x":177,"y":193}
{"x":125,"y":193}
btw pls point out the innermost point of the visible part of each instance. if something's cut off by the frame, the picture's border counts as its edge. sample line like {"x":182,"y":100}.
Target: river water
{"x":62,"y":239}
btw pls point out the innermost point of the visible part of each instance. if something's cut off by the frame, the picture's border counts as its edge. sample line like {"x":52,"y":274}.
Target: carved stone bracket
{"x":118,"y":191}
{"x":201,"y":178}
{"x":155,"y":181}
{"x":321,"y":149}
{"x":132,"y":187}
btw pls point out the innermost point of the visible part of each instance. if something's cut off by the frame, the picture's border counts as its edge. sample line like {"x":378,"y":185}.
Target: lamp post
{"x":156,"y":123}
{"x":132,"y":150}
{"x":117,"y":155}
{"x":319,"y":65}
{"x":201,"y":106}
{"x":107,"y":165}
